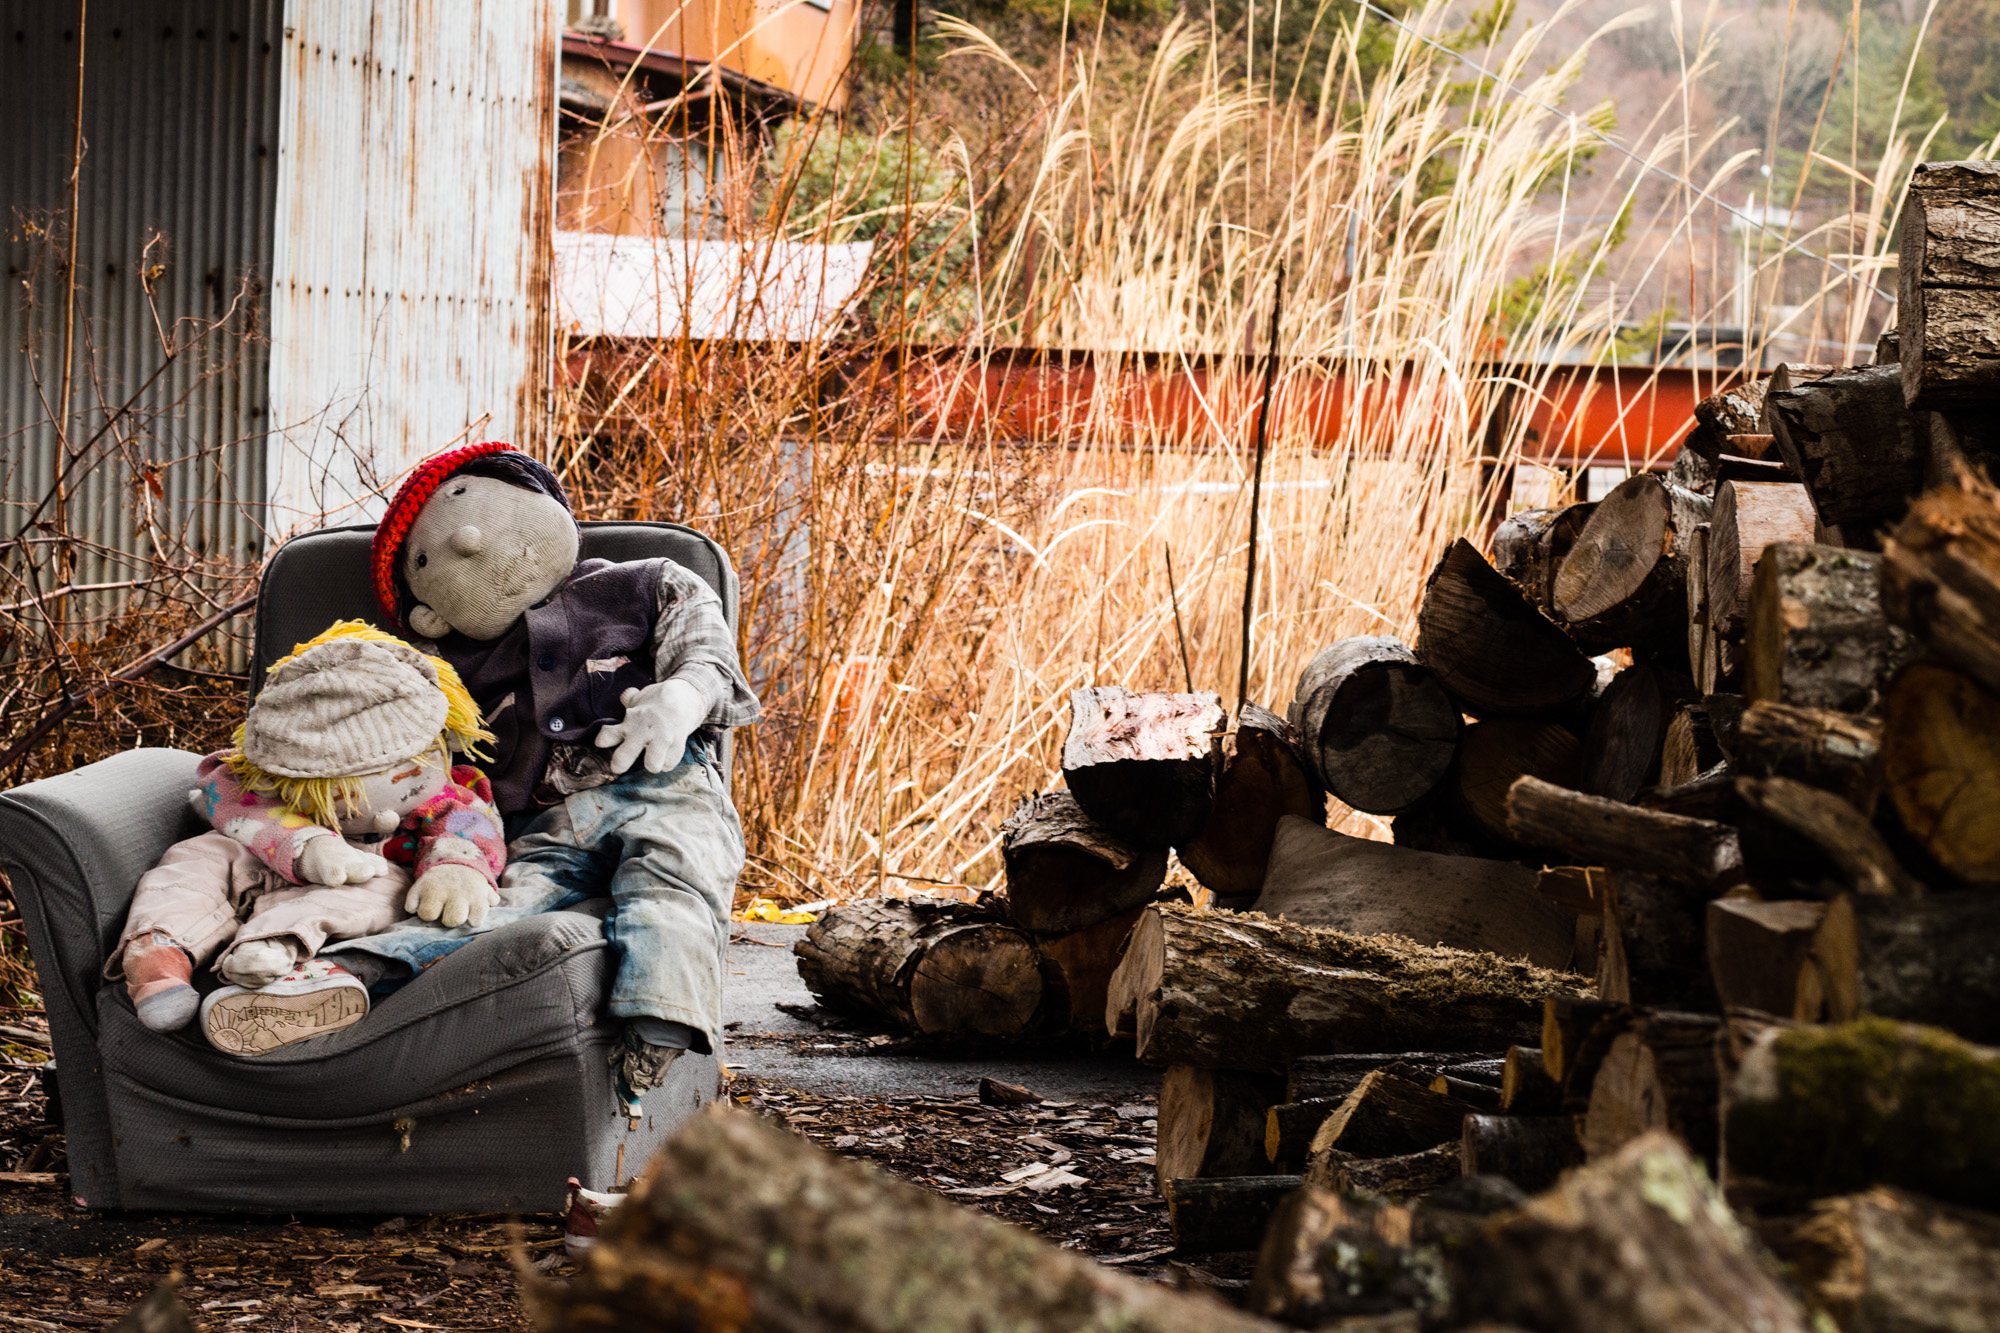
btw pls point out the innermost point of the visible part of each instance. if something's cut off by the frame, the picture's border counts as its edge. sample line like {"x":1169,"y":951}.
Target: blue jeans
{"x":666,"y":848}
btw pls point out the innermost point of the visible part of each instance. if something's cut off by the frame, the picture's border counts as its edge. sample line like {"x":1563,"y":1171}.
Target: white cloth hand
{"x":451,"y":895}
{"x":658,"y":721}
{"x":329,"y":860}
{"x":259,"y":962}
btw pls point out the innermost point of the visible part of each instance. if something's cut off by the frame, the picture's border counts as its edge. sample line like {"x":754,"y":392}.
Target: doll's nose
{"x":386,"y":821}
{"x":468,"y":541}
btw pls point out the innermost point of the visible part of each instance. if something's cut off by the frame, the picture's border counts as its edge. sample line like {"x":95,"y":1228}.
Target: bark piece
{"x":1385,"y":1116}
{"x":1836,"y":752}
{"x":1941,"y":576}
{"x":1526,"y":1088}
{"x":1211,"y":1122}
{"x":1066,"y":872}
{"x":1690,"y":747}
{"x":1494,"y":652}
{"x":1734,"y":411}
{"x":1654,"y":942}
{"x":1859,"y":452}
{"x":1830,"y":1110}
{"x":1518,"y":549}
{"x":1660,"y":1074}
{"x":1264,"y":778}
{"x":739,"y":1224}
{"x":1328,"y":1260}
{"x":1624,"y":743}
{"x":1692,"y":470}
{"x":1228,"y":1214}
{"x":1949,"y":282}
{"x":1817,"y":635}
{"x":1786,"y":376}
{"x":1402,"y":1175}
{"x":1889,"y":1259}
{"x":1241,"y":991}
{"x":1318,"y":877}
{"x":1084,"y":961}
{"x":1703,"y":647}
{"x":1499,"y":751}
{"x":1941,"y":768}
{"x":162,"y":1311}
{"x":1532,"y":1151}
{"x":1840,"y":838}
{"x":1611,"y":833}
{"x":933,"y":966}
{"x":1639,"y":1241}
{"x":992,"y":1092}
{"x":1144,"y":765}
{"x":1760,"y":955}
{"x":1922,"y":960}
{"x":1376,"y":728}
{"x":1747,"y":517}
{"x":1624,"y":581}
{"x":1558,"y":539}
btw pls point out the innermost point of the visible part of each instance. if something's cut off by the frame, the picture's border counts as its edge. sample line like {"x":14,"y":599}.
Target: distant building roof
{"x":636,"y":287}
{"x":678,"y":72}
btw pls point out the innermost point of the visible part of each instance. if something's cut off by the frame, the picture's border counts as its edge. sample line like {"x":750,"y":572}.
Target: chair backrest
{"x":320,"y":577}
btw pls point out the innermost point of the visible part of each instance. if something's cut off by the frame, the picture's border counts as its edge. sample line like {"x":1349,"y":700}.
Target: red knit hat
{"x":506,"y":464}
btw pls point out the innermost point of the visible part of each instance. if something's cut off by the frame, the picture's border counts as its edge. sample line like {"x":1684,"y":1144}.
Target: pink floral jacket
{"x":458,"y":826}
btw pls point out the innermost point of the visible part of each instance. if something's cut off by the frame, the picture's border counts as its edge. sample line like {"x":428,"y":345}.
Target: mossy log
{"x":1815,"y":1111}
{"x":739,"y":1224}
{"x":1264,"y":778}
{"x":1640,"y":1242}
{"x":1066,"y":872}
{"x":1241,"y":991}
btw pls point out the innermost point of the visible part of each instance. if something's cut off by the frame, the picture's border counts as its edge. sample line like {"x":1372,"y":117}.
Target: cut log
{"x":1659,"y":1075}
{"x":1734,"y":411}
{"x":1640,"y":1242}
{"x":1921,"y":960}
{"x":1527,"y":1088}
{"x":1622,"y":747}
{"x":1084,"y":961}
{"x":1500,"y":751}
{"x":1857,"y":449}
{"x":1890,"y":1259}
{"x":1750,"y":445}
{"x":1211,"y":1122}
{"x":1318,"y":877}
{"x":931,"y":965}
{"x":1654,"y":937}
{"x":1610,"y":833}
{"x":1224,"y":1215}
{"x":1704,"y":648}
{"x":1334,"y":1076}
{"x":739,"y":1224}
{"x":1377,"y":730}
{"x":1144,"y":765}
{"x":1572,"y":889}
{"x":1843,"y":847}
{"x":1747,"y":517}
{"x":1830,"y":1110}
{"x":1264,"y":778}
{"x":1329,"y":1261}
{"x":1691,"y":469}
{"x":1557,"y":541}
{"x":1494,"y":652}
{"x":1624,"y":582}
{"x":1735,"y":467}
{"x":1518,"y":550}
{"x":1817,"y":635}
{"x":1949,"y":282}
{"x":1760,"y":956}
{"x":1786,"y":376}
{"x":1532,"y":1151}
{"x":1836,"y":752}
{"x":1289,"y":1128}
{"x":1443,"y":825}
{"x":1402,"y":1175}
{"x":1690,"y":747}
{"x":1941,"y":577}
{"x":1941,"y":768}
{"x":1385,"y":1116}
{"x":1567,"y":1022}
{"x":1241,"y":991}
{"x":1888,"y":348}
{"x":1065,"y":872}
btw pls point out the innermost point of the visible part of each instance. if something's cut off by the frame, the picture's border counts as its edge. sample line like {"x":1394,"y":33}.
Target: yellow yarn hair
{"x":324,"y":799}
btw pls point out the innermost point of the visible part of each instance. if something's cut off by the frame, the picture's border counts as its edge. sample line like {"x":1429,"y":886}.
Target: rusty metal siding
{"x":410,"y":305}
{"x":180,"y":123}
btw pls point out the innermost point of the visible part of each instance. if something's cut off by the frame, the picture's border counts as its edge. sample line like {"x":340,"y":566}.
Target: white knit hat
{"x":343,"y":708}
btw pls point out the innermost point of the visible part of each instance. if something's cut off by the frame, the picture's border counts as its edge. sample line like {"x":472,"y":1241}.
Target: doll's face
{"x":389,"y":795}
{"x":481,"y":552}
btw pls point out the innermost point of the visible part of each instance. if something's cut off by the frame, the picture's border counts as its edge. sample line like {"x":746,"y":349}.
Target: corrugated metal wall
{"x":181,"y":128}
{"x":414,"y":214}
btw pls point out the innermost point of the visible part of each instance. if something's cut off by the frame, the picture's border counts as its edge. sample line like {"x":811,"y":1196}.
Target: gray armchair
{"x":478,"y":1087}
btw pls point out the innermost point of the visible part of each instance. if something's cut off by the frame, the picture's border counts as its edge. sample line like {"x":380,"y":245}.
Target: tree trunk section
{"x":1264,"y":778}
{"x":1949,"y":284}
{"x":1376,"y":728}
{"x":1211,"y":1122}
{"x":1690,"y":748}
{"x":1499,"y":752}
{"x":1531,"y":1150}
{"x":1401,"y":1175}
{"x":1640,"y":1242}
{"x":1386,"y":1116}
{"x":1748,"y":516}
{"x":1289,"y":1129}
{"x":1493,"y":651}
{"x":1782,"y":818}
{"x":1144,"y":765}
{"x":1704,"y":648}
{"x":1567,"y":1023}
{"x":739,"y":1224}
{"x":1624,"y":583}
{"x":1228,"y":991}
{"x":1919,"y":960}
{"x":1085,"y":960}
{"x":1857,"y":449}
{"x":1941,"y":577}
{"x":1526,"y":1088}
{"x":1734,"y":411}
{"x":1595,"y":831}
{"x":1836,"y":752}
{"x":1328,"y":1259}
{"x":932,"y":966}
{"x":1065,"y":872}
{"x":1661,"y":1074}
{"x":1210,"y":1216}
{"x":1941,"y":768}
{"x":1817,"y":635}
{"x":1623,"y":745}
{"x":1760,"y":955}
{"x":1814,"y":1111}
{"x":1655,"y":938}
{"x":1889,"y":1259}
{"x":1334,"y":1076}
{"x":1518,"y":549}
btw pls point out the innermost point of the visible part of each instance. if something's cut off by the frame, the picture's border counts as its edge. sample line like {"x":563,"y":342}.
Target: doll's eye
{"x":422,"y":560}
{"x":460,"y":490}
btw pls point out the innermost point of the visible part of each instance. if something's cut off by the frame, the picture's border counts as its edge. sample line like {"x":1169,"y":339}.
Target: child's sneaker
{"x":159,"y":976}
{"x":587,"y":1211}
{"x":316,"y":997}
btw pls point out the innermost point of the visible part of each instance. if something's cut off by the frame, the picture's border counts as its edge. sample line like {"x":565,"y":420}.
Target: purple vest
{"x":557,"y":675}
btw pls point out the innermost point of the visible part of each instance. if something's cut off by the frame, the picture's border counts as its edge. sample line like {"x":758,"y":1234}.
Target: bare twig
{"x":1257,"y":489}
